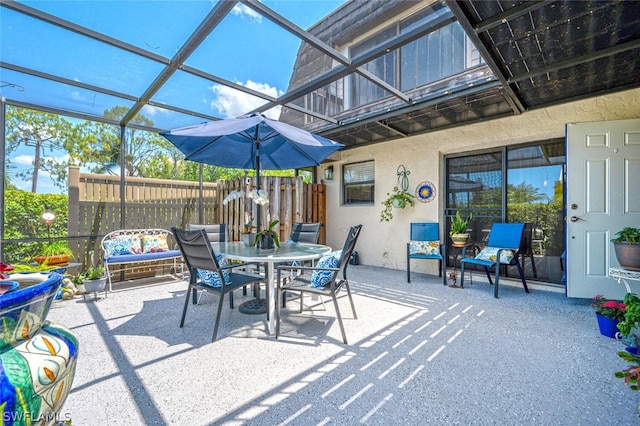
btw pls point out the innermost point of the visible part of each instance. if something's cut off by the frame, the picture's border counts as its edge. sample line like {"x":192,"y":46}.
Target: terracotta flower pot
{"x":60,"y":259}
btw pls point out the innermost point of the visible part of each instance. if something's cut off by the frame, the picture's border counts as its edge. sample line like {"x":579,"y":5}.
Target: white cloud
{"x":26,"y":160}
{"x":243,"y":11}
{"x":75,"y":95}
{"x":232,"y":103}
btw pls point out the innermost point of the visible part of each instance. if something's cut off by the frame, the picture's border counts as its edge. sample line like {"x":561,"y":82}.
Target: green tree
{"x":146,"y":154}
{"x":38,"y":131}
{"x":524,"y":193}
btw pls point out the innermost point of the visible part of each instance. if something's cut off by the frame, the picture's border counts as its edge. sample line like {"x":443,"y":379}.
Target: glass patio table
{"x":287,"y":252}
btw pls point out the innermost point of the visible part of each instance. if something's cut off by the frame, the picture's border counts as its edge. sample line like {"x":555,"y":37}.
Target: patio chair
{"x":303,"y":233}
{"x":503,"y":249}
{"x":327,"y":278}
{"x":217,"y":232}
{"x":425,"y":244}
{"x":199,"y":256}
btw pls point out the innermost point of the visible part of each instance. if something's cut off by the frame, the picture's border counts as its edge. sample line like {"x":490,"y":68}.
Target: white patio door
{"x":603,"y":196}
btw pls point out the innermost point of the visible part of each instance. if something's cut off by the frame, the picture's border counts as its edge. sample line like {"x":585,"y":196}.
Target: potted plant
{"x":627,"y":248}
{"x":266,"y":238}
{"x":398,"y":199}
{"x":458,"y":230}
{"x":629,"y":330}
{"x":248,"y":237}
{"x":55,"y":253}
{"x":608,"y":313}
{"x":94,"y":279}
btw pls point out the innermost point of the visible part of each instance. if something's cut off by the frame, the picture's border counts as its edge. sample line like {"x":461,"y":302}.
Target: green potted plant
{"x":458,"y":230}
{"x":55,"y":253}
{"x":94,"y":279}
{"x":398,"y":199}
{"x":266,"y":238}
{"x":629,"y":330}
{"x":627,"y":248}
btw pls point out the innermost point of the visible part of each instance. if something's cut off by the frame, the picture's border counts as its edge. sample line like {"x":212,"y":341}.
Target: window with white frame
{"x":358,"y":183}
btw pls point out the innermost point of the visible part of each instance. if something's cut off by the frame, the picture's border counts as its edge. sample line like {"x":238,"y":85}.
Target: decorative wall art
{"x":425,"y":191}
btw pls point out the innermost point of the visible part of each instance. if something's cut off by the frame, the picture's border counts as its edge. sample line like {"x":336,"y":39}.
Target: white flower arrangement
{"x":260,"y":197}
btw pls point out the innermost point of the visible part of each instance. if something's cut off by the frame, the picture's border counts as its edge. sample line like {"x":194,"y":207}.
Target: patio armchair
{"x":303,"y":233}
{"x":503,"y":249}
{"x":206,"y":272}
{"x":327,"y":278}
{"x":217,"y":232}
{"x":425,"y":244}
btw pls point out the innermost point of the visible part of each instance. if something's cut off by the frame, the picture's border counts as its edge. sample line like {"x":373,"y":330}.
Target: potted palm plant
{"x":458,"y":232}
{"x":398,"y":199}
{"x":55,"y":253}
{"x":627,"y":248}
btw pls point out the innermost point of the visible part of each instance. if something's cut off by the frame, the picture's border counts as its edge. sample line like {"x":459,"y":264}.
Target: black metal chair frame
{"x":198,"y":254}
{"x":503,"y":236}
{"x":303,"y":233}
{"x":301,"y":283}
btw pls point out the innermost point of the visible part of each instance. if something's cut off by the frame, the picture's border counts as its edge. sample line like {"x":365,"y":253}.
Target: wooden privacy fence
{"x":95,"y":208}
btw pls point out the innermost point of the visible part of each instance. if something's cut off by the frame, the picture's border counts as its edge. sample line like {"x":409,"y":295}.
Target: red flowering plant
{"x":609,"y":308}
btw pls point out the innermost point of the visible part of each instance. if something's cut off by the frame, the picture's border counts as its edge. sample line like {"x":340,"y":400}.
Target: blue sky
{"x":245,"y":48}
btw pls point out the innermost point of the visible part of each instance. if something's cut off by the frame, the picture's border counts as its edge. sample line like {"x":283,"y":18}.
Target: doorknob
{"x":576,"y":218}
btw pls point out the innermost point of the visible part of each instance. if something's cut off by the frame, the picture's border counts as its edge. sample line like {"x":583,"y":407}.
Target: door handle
{"x":576,"y":218}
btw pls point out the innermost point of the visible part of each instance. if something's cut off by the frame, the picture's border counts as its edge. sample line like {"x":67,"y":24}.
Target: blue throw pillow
{"x":213,"y":278}
{"x":321,"y":278}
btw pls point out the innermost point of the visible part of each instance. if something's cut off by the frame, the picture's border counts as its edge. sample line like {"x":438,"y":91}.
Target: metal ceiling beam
{"x":74,"y":83}
{"x":610,"y":51}
{"x":510,"y":96}
{"x":67,"y":25}
{"x":393,"y":129}
{"x":211,"y":21}
{"x":343,"y":70}
{"x":507,"y":15}
{"x":320,"y":45}
{"x":426,"y":103}
{"x":225,"y":82}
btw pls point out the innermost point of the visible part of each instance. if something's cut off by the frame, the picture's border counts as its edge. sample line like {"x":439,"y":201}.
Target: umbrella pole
{"x":259,"y":207}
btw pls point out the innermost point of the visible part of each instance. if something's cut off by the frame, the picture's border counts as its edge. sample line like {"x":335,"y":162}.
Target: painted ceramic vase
{"x":37,"y":357}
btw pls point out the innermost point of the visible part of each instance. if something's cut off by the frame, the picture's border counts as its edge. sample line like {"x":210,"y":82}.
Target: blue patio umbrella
{"x":252,"y":142}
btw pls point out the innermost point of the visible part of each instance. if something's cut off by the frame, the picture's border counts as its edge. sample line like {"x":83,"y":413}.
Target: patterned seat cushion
{"x":430,"y":248}
{"x":490,"y":254}
{"x":124,"y":244}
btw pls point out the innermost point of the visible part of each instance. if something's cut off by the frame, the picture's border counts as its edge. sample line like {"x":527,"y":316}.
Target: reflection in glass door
{"x":514,"y":184}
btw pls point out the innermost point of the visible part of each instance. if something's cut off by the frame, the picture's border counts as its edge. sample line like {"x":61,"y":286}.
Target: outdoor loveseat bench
{"x":137,"y":246}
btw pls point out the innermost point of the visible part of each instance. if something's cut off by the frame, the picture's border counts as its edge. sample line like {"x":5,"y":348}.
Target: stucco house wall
{"x":384,"y":243}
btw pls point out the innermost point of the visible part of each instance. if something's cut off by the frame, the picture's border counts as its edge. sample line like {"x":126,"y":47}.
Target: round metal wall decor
{"x":425,"y":191}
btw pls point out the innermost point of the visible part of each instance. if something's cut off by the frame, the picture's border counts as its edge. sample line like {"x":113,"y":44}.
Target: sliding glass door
{"x":514,"y":184}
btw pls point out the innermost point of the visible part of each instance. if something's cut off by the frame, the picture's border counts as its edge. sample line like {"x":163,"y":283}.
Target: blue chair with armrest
{"x":425,"y":244}
{"x":503,"y":248}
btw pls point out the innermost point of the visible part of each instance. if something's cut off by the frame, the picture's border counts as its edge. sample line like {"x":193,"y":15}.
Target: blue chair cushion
{"x":490,"y":254}
{"x":213,"y":278}
{"x":321,"y":278}
{"x":429,"y":248}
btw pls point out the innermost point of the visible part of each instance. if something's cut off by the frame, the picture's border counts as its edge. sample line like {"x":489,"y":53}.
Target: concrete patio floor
{"x":419,"y":353}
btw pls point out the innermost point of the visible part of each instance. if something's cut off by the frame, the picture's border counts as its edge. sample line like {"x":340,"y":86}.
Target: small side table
{"x":624,"y":275}
{"x":456,"y":251}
